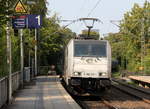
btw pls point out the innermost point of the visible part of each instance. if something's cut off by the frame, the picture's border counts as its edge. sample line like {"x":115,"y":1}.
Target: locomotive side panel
{"x":68,"y":66}
{"x":109,"y":58}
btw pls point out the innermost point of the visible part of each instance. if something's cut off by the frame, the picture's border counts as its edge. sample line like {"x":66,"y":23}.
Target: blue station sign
{"x":19,"y":22}
{"x":34,"y":21}
{"x":27,"y":21}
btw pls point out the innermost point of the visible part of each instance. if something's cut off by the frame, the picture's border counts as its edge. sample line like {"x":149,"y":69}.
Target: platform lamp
{"x":89,"y":23}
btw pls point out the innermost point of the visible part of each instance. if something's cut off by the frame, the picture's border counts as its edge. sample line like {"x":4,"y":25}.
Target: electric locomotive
{"x":87,"y":65}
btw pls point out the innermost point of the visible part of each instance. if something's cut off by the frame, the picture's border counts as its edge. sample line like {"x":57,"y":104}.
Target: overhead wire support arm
{"x":114,"y":22}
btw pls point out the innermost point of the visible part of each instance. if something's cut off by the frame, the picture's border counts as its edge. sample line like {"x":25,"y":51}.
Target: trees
{"x":51,"y":40}
{"x":134,"y":26}
{"x":93,"y":34}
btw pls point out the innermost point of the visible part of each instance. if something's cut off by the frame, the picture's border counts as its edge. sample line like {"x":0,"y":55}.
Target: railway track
{"x":119,"y":97}
{"x":95,"y":103}
{"x":131,"y":90}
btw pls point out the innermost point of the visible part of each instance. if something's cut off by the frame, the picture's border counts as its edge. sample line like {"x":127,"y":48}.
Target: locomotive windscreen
{"x":90,"y":49}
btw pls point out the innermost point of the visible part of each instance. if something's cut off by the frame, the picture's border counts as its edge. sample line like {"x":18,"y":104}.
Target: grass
{"x":116,"y":74}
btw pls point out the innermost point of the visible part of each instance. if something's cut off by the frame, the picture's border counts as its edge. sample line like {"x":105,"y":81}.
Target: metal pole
{"x":29,"y":60}
{"x":32,"y":67}
{"x":35,"y":52}
{"x":22,"y":56}
{"x":9,"y":60}
{"x":142,"y":46}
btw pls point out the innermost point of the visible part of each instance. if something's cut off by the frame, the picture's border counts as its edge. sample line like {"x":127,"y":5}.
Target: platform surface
{"x":145,"y":79}
{"x":47,"y":93}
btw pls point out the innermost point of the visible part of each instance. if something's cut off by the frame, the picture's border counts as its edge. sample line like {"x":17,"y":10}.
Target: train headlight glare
{"x":102,"y":74}
{"x":77,"y":73}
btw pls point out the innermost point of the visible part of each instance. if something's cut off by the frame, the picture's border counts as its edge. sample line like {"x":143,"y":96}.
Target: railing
{"x":4,"y":87}
{"x":3,"y":91}
{"x":15,"y":81}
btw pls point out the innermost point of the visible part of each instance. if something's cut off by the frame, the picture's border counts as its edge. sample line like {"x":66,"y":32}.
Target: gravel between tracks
{"x":124,"y":101}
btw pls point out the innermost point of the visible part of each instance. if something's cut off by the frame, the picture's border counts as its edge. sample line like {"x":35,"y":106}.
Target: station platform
{"x":46,"y":93}
{"x":145,"y":79}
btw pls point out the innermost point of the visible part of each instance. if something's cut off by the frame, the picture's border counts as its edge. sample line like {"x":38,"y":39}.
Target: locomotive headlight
{"x":77,"y":73}
{"x":102,"y":74}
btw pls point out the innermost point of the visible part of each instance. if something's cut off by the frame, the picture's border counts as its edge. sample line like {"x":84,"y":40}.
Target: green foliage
{"x":15,"y":53}
{"x":116,"y":74}
{"x":51,"y":41}
{"x":93,"y":34}
{"x":3,"y":64}
{"x":126,"y":45}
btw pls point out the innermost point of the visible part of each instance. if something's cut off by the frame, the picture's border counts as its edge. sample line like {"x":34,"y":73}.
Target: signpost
{"x":34,"y":22}
{"x":19,"y":22}
{"x":25,"y":22}
{"x":31,"y":22}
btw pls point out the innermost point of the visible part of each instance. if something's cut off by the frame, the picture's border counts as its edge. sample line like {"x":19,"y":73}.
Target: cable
{"x":81,"y":10}
{"x":94,"y":8}
{"x":82,"y":6}
{"x":72,"y":21}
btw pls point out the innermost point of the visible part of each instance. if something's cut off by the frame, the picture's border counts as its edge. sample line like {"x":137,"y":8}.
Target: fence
{"x":4,"y":87}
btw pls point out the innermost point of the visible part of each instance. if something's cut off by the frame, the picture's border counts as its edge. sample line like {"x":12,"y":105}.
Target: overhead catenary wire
{"x":94,"y":8}
{"x":82,"y":6}
{"x":81,"y":10}
{"x":72,"y":21}
{"x":97,"y":3}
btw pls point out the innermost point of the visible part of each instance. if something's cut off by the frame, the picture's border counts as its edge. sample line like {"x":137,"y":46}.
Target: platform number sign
{"x":39,"y":21}
{"x":34,"y":21}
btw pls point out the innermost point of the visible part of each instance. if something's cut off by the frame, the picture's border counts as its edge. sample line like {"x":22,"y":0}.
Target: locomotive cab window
{"x":90,"y":49}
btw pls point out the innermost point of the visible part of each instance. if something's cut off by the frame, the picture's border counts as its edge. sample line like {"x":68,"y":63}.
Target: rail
{"x":138,"y":93}
{"x":4,"y":87}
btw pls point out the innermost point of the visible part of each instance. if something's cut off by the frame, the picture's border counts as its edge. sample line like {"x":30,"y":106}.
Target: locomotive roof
{"x":90,"y":40}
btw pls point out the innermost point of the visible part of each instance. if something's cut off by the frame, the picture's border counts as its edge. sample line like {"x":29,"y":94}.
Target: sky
{"x":105,"y":11}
